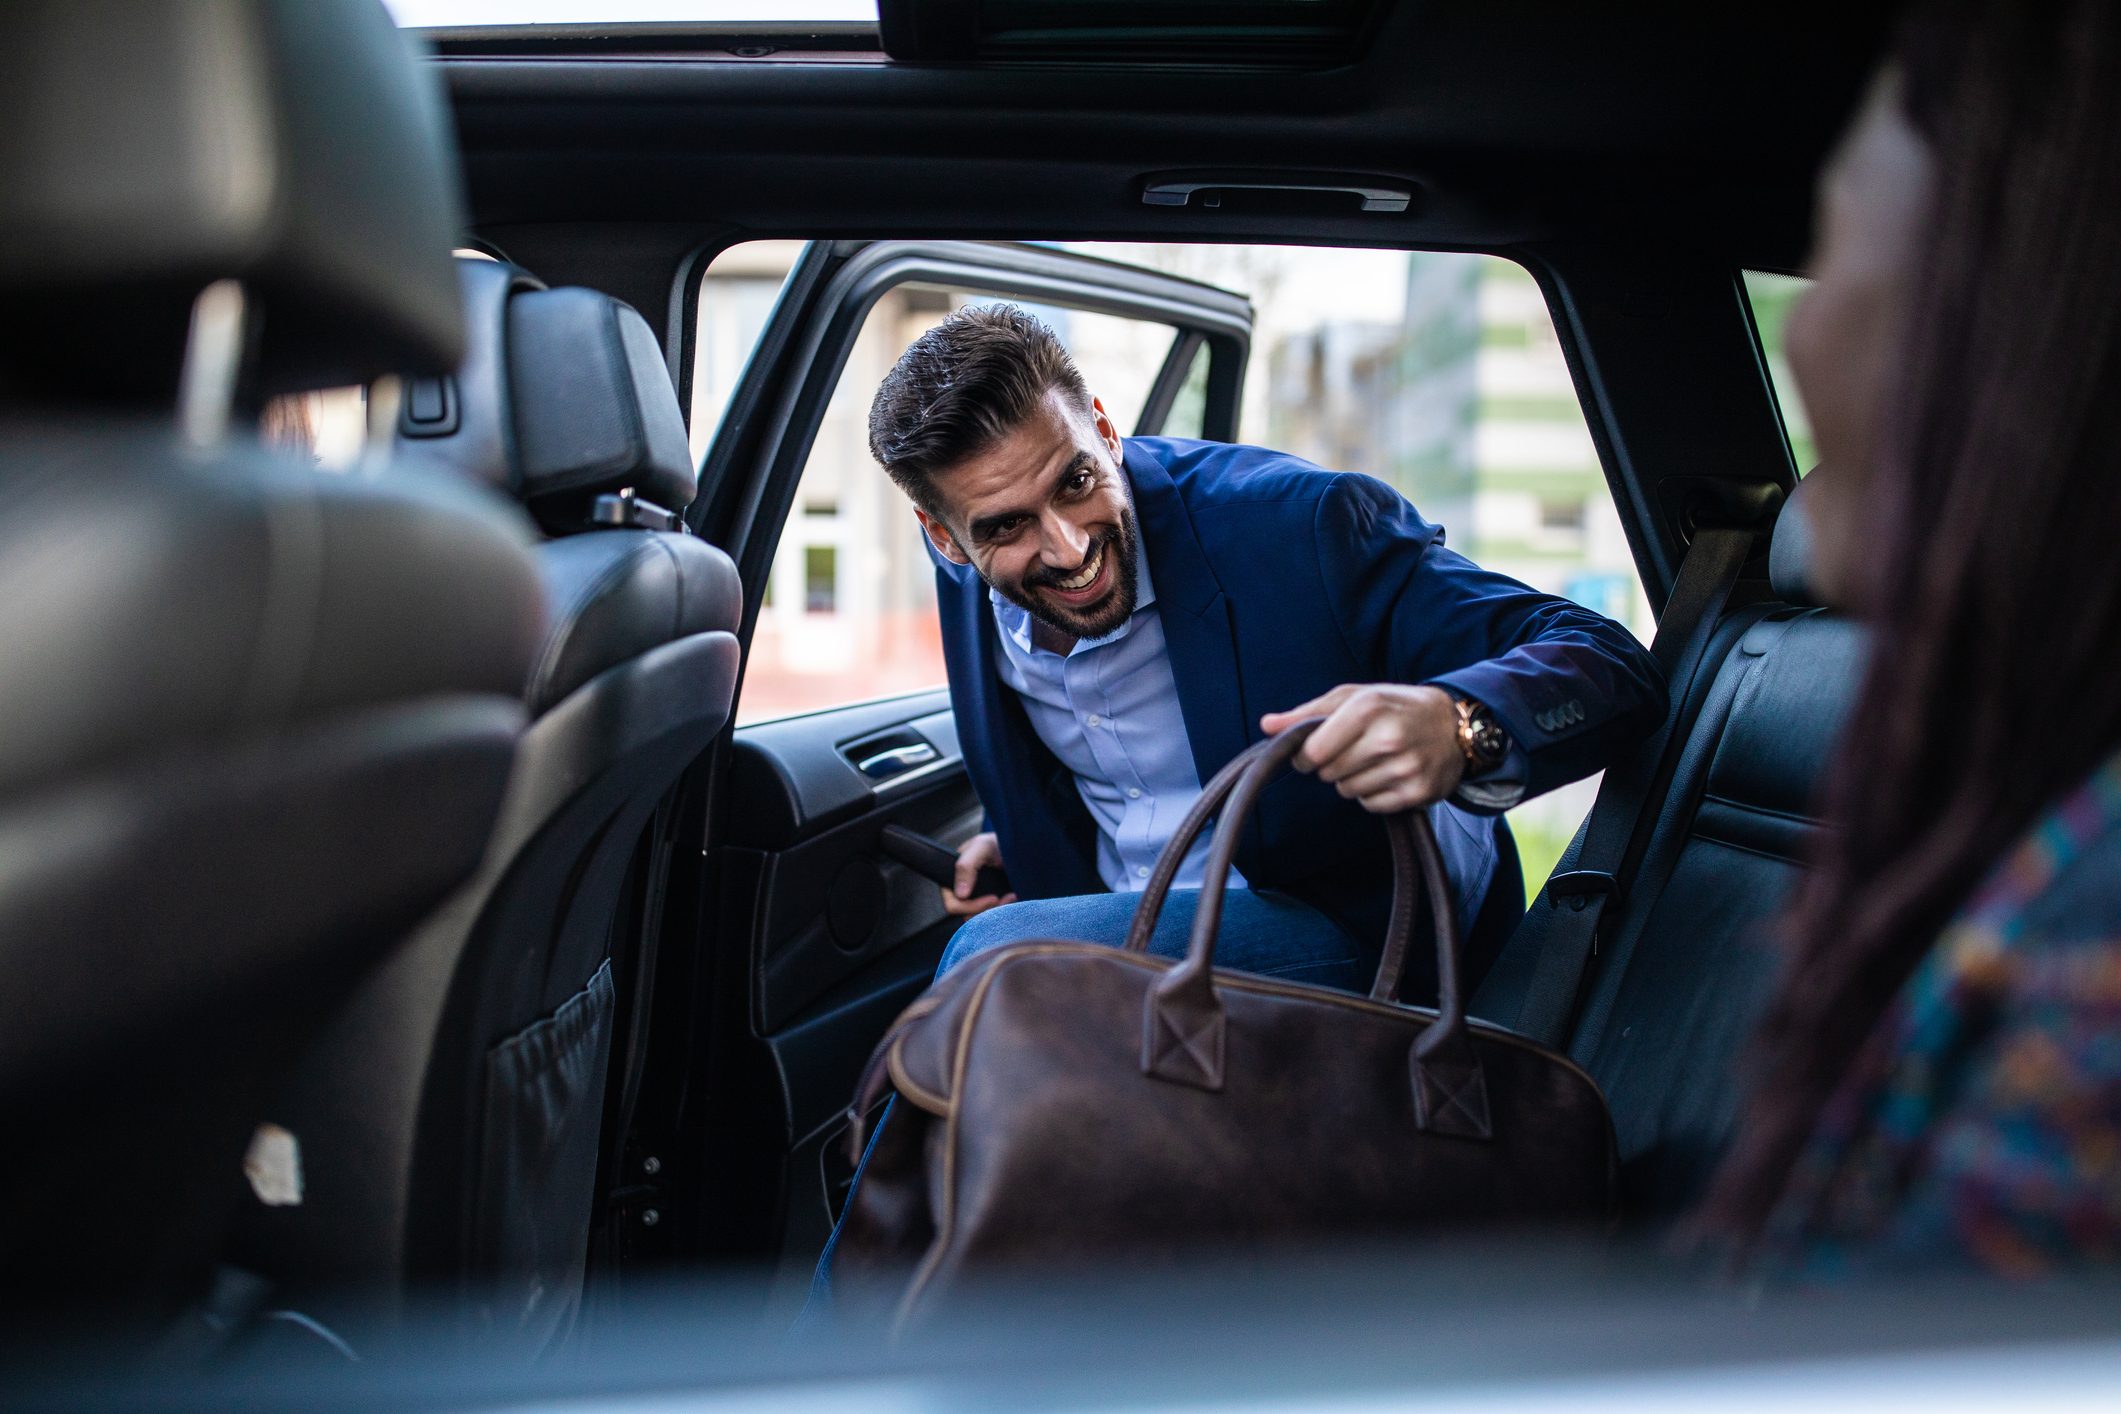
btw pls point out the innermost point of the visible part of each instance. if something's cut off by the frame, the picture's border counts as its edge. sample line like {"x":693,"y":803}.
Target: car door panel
{"x":829,"y":900}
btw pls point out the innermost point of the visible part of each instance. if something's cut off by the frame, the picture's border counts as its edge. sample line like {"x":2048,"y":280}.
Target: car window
{"x":462,"y":14}
{"x":1437,"y":372}
{"x":848,"y":612}
{"x":1441,"y":373}
{"x":1772,"y":297}
{"x":330,"y":427}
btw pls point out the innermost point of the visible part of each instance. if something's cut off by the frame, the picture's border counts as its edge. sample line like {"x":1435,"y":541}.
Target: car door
{"x":810,"y":939}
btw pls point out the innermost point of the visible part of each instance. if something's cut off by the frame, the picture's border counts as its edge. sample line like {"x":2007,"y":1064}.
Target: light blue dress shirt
{"x":1109,"y":711}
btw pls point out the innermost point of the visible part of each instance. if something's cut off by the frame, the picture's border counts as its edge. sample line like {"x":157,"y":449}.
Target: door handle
{"x":937,"y":862}
{"x":1180,"y":192}
{"x":894,"y":760}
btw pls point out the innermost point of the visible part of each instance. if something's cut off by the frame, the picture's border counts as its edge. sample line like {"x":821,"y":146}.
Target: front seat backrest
{"x":458,"y":1111}
{"x":255,"y":720}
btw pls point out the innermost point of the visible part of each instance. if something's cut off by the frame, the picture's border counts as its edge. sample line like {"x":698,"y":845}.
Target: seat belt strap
{"x":1581,"y":896}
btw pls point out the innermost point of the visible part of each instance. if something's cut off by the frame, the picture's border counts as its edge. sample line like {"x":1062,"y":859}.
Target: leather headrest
{"x":562,"y":396}
{"x":1790,"y":550}
{"x":151,"y":147}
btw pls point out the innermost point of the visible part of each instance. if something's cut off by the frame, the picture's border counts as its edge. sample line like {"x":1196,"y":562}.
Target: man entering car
{"x":1121,"y":616}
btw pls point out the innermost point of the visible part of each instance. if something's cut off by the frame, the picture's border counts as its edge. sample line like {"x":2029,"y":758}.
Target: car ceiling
{"x":1691,"y":126}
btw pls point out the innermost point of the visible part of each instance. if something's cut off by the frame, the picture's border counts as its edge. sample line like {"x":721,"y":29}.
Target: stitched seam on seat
{"x":556,"y":645}
{"x":1769,"y":810}
{"x":677,"y":575}
{"x":287,"y":616}
{"x":631,"y":403}
{"x":1753,"y":850}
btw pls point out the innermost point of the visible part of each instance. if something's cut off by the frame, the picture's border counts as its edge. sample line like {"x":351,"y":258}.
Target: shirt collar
{"x":1014,"y":620}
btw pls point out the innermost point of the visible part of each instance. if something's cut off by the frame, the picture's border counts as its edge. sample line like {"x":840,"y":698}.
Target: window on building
{"x":1772,"y":298}
{"x":821,"y":579}
{"x":1563,"y":517}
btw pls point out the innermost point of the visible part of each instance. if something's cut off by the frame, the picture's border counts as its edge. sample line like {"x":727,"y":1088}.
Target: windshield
{"x":454,"y":13}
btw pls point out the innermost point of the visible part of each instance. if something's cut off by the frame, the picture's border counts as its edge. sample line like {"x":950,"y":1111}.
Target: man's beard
{"x":1099,"y":619}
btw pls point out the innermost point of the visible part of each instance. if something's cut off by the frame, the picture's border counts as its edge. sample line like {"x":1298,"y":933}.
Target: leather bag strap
{"x":1151,"y":906}
{"x":1184,"y":1028}
{"x":1399,"y":928}
{"x":1578,"y":898}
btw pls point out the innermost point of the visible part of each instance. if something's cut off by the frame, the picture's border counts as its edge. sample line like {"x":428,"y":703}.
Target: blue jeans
{"x":1265,"y":933}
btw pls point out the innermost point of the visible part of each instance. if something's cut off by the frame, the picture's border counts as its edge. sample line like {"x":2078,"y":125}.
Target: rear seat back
{"x":1686,"y":963}
{"x":1685,"y":969}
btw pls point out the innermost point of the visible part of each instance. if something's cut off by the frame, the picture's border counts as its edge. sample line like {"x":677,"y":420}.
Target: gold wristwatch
{"x":1480,"y":737}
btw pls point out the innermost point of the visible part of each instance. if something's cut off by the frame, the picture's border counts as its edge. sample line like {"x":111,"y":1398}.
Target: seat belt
{"x":1580,"y":897}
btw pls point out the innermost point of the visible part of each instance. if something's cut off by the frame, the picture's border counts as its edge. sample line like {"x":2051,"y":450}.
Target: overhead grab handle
{"x":1180,"y":188}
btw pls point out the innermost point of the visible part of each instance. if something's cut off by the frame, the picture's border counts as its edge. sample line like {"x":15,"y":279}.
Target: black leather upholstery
{"x":1791,"y":551}
{"x":1690,"y":963}
{"x":1687,"y":960}
{"x":612,"y":595}
{"x":148,"y":595}
{"x":255,"y":721}
{"x":149,"y":147}
{"x":456,"y":1111}
{"x":563,"y":395}
{"x":594,"y":405}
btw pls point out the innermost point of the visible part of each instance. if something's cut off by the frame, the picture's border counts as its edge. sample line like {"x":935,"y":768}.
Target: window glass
{"x":329,"y":428}
{"x":850,"y":609}
{"x":1437,"y":372}
{"x":1189,"y":410}
{"x":1772,"y":297}
{"x":736,"y":299}
{"x":466,"y":13}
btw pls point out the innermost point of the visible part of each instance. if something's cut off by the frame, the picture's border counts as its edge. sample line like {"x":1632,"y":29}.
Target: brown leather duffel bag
{"x":1062,"y":1102}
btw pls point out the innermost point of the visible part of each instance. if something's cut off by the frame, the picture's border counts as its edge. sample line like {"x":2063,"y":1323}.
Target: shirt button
{"x":1141,"y":871}
{"x":1134,"y":793}
{"x":1095,"y":720}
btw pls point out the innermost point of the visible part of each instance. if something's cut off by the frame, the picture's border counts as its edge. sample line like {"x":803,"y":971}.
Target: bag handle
{"x":1151,"y":905}
{"x":1184,"y":1026}
{"x":1398,"y":932}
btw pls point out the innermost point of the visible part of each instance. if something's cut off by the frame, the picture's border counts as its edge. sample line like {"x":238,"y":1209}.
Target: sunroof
{"x":1275,"y":34}
{"x":473,"y":14}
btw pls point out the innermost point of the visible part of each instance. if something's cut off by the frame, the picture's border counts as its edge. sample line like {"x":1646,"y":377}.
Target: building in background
{"x":1466,"y":405}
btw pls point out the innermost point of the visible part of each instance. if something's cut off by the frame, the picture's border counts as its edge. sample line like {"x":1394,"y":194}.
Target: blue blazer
{"x":1278,"y":581}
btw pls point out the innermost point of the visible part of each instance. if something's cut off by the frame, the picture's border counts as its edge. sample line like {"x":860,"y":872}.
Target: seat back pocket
{"x":540,"y":1140}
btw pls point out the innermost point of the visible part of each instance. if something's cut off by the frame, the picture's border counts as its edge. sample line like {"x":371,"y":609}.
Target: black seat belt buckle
{"x":1580,"y":886}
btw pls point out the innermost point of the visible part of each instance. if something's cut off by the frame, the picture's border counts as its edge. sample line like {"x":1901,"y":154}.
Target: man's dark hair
{"x":963,"y":386}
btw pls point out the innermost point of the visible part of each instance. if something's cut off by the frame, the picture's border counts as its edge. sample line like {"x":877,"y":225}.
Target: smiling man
{"x":1121,"y":616}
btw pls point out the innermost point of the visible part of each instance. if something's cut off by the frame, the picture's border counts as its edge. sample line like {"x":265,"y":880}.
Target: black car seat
{"x":454,"y":1116}
{"x":255,"y":720}
{"x":1686,"y":963}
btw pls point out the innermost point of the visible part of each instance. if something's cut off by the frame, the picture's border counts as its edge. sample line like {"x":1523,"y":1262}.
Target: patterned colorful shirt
{"x":1982,"y":1127}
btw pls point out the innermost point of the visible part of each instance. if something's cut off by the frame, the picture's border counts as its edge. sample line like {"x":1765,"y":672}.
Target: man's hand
{"x":979,"y":851}
{"x":1385,"y":746}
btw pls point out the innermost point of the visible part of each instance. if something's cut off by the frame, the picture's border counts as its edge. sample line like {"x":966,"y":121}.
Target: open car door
{"x":806,"y":938}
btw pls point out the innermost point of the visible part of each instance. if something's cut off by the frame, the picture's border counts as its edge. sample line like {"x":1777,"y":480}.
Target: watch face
{"x":1485,"y":740}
